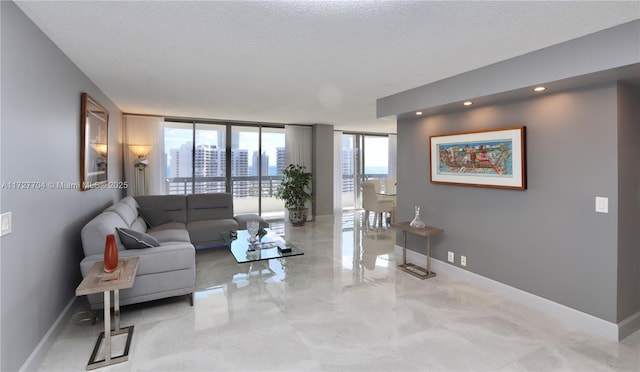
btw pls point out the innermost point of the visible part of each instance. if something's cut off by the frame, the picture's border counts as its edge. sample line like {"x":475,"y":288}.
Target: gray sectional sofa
{"x":177,"y":224}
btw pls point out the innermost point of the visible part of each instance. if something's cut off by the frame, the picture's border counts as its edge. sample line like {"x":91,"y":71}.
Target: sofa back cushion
{"x":131,"y":202}
{"x":209,"y":206}
{"x":124,"y":211}
{"x":175,"y":206}
{"x":94,"y":233}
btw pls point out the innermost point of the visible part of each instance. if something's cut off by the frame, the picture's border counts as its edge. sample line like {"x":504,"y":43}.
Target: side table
{"x":427,"y":231}
{"x":98,"y":281}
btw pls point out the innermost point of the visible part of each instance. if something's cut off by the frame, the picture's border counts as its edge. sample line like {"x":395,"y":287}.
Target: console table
{"x":428,"y":232}
{"x":98,"y":281}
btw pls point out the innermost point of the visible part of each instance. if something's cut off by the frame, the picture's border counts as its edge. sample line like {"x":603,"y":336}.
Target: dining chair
{"x":372,"y":202}
{"x":390,"y":185}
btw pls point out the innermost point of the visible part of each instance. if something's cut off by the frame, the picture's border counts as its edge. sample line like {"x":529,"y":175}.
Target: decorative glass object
{"x":417,"y":222}
{"x":110,"y":254}
{"x":253,"y":226}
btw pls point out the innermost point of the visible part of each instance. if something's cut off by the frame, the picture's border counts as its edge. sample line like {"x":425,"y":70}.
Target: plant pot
{"x":298,"y":216}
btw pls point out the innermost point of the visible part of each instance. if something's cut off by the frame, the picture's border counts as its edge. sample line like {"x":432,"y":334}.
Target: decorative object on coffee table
{"x":110,"y":254}
{"x":253,"y":226}
{"x":295,"y":190}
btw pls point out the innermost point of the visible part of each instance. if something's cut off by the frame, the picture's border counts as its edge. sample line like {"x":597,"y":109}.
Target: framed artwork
{"x":488,"y":158}
{"x":94,"y":155}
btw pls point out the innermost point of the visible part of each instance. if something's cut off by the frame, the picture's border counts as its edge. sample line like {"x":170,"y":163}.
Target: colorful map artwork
{"x":488,"y":158}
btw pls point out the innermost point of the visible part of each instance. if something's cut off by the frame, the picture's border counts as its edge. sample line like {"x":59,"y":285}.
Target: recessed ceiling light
{"x":539,"y":89}
{"x":418,"y":113}
{"x":468,"y":103}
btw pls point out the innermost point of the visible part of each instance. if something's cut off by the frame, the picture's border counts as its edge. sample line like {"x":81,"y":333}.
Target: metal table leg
{"x":415,"y":270}
{"x":106,"y":335}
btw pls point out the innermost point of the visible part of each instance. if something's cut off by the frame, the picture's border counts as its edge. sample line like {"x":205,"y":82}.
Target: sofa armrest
{"x":167,"y":257}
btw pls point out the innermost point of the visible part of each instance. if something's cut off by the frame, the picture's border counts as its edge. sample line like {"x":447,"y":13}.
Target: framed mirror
{"x":95,"y":143}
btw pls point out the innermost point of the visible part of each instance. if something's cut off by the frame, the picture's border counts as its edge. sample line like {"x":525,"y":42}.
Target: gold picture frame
{"x":94,"y":157}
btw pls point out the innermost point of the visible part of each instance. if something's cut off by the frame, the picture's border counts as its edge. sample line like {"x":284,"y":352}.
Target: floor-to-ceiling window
{"x":246,"y":160}
{"x":245,"y":168}
{"x":376,"y":157}
{"x":178,"y":145}
{"x":273,"y":163}
{"x":350,"y":171}
{"x":210,"y":168}
{"x":364,"y":156}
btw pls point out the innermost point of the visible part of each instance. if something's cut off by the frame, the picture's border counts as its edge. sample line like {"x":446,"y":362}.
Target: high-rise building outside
{"x":180,"y":164}
{"x":348,"y":163}
{"x":210,"y":166}
{"x":280,"y":160}
{"x":256,"y":162}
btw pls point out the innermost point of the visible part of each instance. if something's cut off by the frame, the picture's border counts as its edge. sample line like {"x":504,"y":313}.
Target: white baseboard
{"x":37,"y":355}
{"x":611,"y":331}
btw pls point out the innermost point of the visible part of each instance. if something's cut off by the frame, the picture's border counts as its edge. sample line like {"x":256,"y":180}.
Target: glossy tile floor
{"x":342,"y":306}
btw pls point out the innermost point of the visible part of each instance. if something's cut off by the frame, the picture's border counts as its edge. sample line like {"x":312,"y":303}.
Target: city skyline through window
{"x":255,"y":166}
{"x":253,"y":188}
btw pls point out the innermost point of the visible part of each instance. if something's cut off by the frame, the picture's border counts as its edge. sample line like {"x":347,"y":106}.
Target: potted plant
{"x":295,"y":190}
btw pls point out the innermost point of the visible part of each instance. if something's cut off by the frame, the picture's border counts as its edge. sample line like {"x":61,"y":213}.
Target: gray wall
{"x":547,"y":240}
{"x":323,"y":169}
{"x":40,"y":138}
{"x":629,"y":196}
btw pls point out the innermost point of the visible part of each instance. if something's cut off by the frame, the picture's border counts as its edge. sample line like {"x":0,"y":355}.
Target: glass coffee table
{"x":267,"y":247}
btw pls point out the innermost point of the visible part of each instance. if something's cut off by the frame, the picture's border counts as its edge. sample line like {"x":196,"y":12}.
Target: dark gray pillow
{"x":132,"y":239}
{"x":154,"y":216}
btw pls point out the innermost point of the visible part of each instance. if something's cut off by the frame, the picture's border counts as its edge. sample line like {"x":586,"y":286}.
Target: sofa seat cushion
{"x":165,"y":258}
{"x":171,"y":235}
{"x":169,"y":226}
{"x":208,"y":231}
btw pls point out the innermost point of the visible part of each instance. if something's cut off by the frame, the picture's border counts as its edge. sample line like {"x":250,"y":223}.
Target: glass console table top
{"x":266,"y":247}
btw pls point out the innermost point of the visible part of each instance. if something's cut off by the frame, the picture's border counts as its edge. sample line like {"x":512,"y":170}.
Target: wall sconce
{"x":101,"y":149}
{"x":141,"y":162}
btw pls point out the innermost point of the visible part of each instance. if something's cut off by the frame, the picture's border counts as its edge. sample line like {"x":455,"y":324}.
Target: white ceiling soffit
{"x":606,"y":56}
{"x":299,"y":61}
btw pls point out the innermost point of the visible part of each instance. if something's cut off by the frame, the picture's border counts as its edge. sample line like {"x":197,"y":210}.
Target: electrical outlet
{"x":463,"y":260}
{"x":602,"y":204}
{"x":451,"y":257}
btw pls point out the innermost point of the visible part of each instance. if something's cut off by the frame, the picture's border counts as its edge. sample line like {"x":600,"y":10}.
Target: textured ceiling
{"x":298,"y":61}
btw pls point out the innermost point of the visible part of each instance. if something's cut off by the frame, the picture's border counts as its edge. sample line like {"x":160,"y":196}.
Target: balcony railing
{"x":242,"y":186}
{"x":245,"y":191}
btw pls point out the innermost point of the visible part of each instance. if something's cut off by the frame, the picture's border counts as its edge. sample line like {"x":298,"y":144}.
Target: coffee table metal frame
{"x":98,"y":281}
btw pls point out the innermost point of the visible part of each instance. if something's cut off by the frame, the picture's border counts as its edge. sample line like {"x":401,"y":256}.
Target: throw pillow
{"x":154,"y":216}
{"x":132,"y":239}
